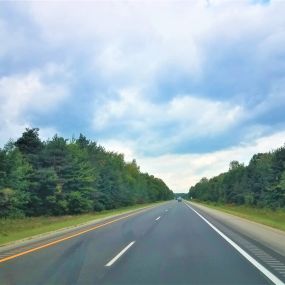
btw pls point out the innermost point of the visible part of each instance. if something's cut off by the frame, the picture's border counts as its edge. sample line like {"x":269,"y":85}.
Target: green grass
{"x":16,"y":229}
{"x":275,"y":219}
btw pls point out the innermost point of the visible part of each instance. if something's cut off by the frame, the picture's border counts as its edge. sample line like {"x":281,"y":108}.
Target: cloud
{"x":127,"y":148}
{"x":182,"y":118}
{"x":215,"y":50}
{"x":24,"y":95}
{"x":157,"y":79}
{"x":124,"y":41}
{"x":149,"y":43}
{"x":180,"y":171}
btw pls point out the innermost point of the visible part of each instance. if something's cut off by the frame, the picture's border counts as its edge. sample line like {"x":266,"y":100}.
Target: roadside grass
{"x":275,"y":219}
{"x":16,"y":229}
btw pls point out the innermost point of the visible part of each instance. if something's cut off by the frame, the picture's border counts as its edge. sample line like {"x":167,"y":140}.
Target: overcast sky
{"x":182,"y":86}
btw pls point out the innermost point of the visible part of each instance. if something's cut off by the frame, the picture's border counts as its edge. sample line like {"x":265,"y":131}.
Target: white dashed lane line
{"x":113,"y":260}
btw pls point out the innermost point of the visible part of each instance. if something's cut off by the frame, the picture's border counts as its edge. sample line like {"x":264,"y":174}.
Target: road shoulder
{"x":269,"y":237}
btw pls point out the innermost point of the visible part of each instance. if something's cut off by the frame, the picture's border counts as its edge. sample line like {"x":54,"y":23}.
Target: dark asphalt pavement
{"x":172,"y":245}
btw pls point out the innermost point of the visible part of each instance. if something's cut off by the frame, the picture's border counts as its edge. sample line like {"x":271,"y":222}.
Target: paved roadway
{"x":168,"y":244}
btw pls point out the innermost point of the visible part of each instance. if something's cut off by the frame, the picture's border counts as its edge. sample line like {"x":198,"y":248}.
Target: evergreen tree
{"x":59,"y":176}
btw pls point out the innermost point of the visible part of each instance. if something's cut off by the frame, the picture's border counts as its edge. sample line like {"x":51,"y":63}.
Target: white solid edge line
{"x":157,"y":218}
{"x":112,"y":261}
{"x":254,"y":262}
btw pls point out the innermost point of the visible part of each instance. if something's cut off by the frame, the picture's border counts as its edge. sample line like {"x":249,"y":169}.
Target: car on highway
{"x":179,"y":199}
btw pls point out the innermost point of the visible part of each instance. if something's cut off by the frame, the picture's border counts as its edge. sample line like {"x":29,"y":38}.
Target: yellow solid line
{"x":71,"y":236}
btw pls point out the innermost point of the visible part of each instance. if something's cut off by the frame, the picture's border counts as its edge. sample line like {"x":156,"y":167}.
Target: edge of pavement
{"x":271,"y":238}
{"x":66,"y":230}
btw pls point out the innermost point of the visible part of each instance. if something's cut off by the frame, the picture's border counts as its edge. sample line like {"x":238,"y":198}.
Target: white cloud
{"x":191,"y":116}
{"x":139,"y":39}
{"x":21,"y":95}
{"x":12,"y":41}
{"x":140,"y":44}
{"x":133,"y":40}
{"x":180,"y":171}
{"x":125,"y":147}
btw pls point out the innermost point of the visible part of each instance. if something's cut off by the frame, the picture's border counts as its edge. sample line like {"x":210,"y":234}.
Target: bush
{"x":78,"y":204}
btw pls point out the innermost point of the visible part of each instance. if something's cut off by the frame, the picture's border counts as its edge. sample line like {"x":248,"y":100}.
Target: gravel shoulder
{"x":269,"y":237}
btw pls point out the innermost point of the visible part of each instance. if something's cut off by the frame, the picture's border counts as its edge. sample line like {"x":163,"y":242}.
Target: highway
{"x":168,"y":244}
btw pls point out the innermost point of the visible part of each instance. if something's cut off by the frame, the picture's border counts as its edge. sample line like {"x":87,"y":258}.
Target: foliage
{"x":260,"y":184}
{"x":61,"y":177}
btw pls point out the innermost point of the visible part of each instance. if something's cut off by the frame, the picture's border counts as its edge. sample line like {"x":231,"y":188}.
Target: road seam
{"x":113,"y":260}
{"x":252,"y":260}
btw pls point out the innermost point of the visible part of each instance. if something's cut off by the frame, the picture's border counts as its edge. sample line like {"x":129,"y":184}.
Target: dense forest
{"x":60,"y":176}
{"x":260,"y":184}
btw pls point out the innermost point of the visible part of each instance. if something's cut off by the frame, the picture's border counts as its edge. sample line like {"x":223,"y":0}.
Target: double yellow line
{"x":73,"y":235}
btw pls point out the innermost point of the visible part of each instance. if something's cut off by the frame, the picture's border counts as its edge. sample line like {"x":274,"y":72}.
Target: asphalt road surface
{"x":168,"y":244}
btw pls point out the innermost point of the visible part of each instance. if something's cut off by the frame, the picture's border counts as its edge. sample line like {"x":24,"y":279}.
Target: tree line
{"x":60,"y":176}
{"x":260,"y":184}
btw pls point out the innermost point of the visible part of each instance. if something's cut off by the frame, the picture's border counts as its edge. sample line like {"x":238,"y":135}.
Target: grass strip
{"x":275,"y":219}
{"x":17,"y":229}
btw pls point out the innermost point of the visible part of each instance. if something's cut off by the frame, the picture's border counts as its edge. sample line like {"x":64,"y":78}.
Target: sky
{"x":184,"y":87}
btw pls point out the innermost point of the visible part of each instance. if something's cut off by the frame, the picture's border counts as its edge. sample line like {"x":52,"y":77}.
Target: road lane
{"x":183,"y":249}
{"x":247,"y":256}
{"x":261,"y":242}
{"x":79,"y":260}
{"x":44,"y":240}
{"x":178,"y":248}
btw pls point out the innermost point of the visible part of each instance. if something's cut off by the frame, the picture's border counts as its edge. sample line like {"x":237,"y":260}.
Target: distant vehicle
{"x":179,"y":199}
